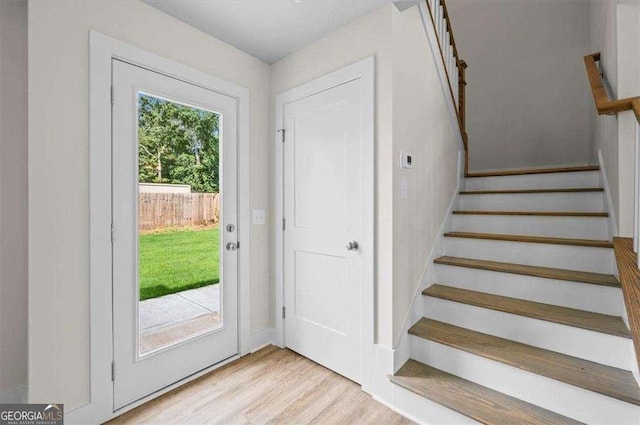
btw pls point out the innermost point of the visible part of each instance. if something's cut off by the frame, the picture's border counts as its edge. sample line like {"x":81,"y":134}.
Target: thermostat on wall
{"x":405,"y":160}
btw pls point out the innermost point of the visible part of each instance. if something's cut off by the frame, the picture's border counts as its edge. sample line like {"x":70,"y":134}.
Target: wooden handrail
{"x":604,"y":105}
{"x":458,"y":65}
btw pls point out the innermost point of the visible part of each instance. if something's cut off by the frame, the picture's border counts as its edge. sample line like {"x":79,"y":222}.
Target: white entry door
{"x":326,"y":236}
{"x":174,"y":230}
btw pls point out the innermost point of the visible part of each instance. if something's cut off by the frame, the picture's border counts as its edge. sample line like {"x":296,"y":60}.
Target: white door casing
{"x":324,"y":191}
{"x":137,"y":376}
{"x":102,"y":51}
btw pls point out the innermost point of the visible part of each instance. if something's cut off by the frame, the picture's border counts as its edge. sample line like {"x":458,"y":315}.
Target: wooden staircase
{"x":523,"y":324}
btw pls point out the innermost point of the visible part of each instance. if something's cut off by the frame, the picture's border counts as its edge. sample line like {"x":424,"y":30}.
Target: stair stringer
{"x":613,"y":232}
{"x":402,"y":346}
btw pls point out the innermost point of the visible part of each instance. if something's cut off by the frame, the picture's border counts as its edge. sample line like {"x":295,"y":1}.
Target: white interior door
{"x":165,"y":338}
{"x":323,"y":209}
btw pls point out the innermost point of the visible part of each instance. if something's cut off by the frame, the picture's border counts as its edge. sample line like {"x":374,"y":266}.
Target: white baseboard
{"x":14,"y":395}
{"x":399,"y":411}
{"x":261,"y":339}
{"x":613,"y":223}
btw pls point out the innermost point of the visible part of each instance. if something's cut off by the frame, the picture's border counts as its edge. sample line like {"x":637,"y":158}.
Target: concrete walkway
{"x":173,"y":318}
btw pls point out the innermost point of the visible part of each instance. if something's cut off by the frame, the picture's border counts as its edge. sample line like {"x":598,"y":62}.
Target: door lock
{"x":232,"y":246}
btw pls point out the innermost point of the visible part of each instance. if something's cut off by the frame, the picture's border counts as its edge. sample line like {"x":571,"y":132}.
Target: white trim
{"x":402,"y":348}
{"x":102,"y":50}
{"x":261,"y":339}
{"x":364,"y":70}
{"x":399,"y":411}
{"x":613,"y":223}
{"x":440,"y":67}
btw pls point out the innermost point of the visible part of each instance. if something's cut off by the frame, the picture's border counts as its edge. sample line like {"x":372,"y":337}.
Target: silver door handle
{"x":352,"y":246}
{"x":232,"y":246}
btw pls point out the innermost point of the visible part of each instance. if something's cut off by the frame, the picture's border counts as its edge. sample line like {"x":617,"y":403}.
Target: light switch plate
{"x":406,"y":160}
{"x":259,"y":216}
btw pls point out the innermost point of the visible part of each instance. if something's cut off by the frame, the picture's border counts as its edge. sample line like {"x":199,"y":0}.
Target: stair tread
{"x":582,"y":319}
{"x":528,"y":191}
{"x":544,"y":272}
{"x":533,"y":239}
{"x":533,"y":171}
{"x":536,"y":213}
{"x":480,"y":403}
{"x":596,"y":377}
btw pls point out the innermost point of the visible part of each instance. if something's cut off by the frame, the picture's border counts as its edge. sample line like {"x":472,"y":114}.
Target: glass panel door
{"x":179,"y":222}
{"x":174,"y":198}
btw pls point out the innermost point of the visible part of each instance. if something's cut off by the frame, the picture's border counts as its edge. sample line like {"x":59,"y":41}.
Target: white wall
{"x":367,"y":36}
{"x":602,"y":38}
{"x":423,"y":127}
{"x":411,"y":115}
{"x":59,"y":175}
{"x":615,"y":33}
{"x":13,"y":200}
{"x":528,"y":99}
{"x":628,"y":81}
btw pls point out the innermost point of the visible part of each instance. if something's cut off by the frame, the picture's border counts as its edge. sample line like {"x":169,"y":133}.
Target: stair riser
{"x":596,"y":260}
{"x":559,"y":227}
{"x":425,"y":410}
{"x":595,"y":346}
{"x":581,"y":179}
{"x":581,"y":296}
{"x":568,"y":400}
{"x":585,"y":202}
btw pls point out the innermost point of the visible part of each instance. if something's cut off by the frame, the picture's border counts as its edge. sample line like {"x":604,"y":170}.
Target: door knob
{"x":232,"y":246}
{"x":352,"y":246}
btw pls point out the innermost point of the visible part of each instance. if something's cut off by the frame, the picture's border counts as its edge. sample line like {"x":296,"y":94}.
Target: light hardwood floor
{"x":271,"y":386}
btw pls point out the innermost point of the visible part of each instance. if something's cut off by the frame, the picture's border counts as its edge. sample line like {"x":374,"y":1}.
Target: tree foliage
{"x":178,"y":144}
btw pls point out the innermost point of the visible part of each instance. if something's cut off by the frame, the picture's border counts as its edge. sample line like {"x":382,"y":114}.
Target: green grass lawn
{"x":178,"y":260}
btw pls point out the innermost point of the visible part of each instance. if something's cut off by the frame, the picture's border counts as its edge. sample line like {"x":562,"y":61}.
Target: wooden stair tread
{"x":533,"y":171}
{"x":536,"y":213}
{"x":544,"y":272}
{"x":596,"y":377}
{"x":528,"y":191}
{"x":480,"y":403}
{"x":596,"y":322}
{"x":533,"y":239}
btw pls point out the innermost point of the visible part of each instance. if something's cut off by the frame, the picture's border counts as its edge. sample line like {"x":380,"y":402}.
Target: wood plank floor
{"x":271,"y":386}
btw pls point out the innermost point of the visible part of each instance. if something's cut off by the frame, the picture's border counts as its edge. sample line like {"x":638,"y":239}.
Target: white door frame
{"x":363,"y":70}
{"x":102,"y":49}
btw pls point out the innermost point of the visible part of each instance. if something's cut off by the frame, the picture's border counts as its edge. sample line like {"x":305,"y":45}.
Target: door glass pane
{"x":179,"y":252}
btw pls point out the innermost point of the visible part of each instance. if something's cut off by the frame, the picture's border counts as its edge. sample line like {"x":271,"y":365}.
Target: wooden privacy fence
{"x":160,"y":210}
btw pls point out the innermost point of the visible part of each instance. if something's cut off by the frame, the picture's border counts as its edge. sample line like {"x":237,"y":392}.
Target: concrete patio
{"x":173,"y":318}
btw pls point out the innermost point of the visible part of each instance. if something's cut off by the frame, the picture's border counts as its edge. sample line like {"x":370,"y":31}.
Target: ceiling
{"x":269,"y":29}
